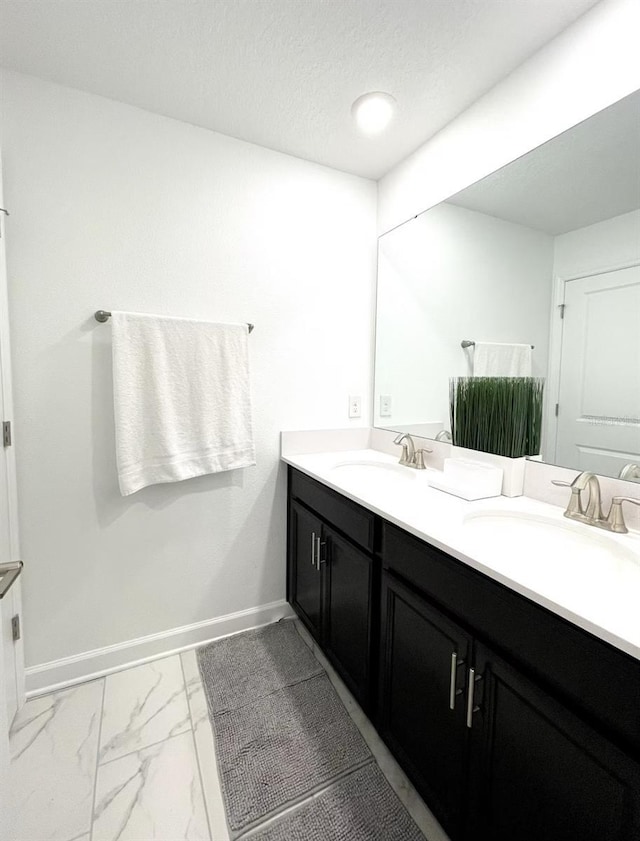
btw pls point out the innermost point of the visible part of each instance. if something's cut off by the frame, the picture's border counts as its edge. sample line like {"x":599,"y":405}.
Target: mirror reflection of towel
{"x":493,"y":359}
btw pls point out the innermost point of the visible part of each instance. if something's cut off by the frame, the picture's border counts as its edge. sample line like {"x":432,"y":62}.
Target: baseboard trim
{"x":58,"y":674}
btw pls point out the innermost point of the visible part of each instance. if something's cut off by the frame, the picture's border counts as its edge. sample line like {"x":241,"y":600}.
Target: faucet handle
{"x":574,"y":511}
{"x":615,"y":520}
{"x":418,"y":461}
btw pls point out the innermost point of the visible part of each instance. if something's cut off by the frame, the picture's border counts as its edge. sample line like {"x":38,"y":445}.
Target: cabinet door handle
{"x":471,"y":709}
{"x":8,"y":574}
{"x":313,"y":548}
{"x":321,"y":560}
{"x":453,"y":691}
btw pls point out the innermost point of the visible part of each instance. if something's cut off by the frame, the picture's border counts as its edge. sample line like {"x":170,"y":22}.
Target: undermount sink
{"x":573,"y":550}
{"x":380,"y":474}
{"x":367,"y":467}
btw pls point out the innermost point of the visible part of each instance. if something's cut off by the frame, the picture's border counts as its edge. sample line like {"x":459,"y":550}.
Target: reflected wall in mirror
{"x":546,"y":252}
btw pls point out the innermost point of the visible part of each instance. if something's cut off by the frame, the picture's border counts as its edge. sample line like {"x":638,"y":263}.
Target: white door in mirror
{"x":599,"y":398}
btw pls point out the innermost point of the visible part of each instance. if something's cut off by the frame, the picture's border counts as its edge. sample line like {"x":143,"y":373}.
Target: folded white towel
{"x":492,"y":359}
{"x":181,"y":399}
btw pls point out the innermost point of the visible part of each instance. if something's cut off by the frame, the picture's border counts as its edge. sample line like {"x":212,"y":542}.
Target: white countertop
{"x":570,"y":572}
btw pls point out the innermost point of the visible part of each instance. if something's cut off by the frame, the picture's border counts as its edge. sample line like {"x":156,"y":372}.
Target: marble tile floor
{"x":131,"y":757}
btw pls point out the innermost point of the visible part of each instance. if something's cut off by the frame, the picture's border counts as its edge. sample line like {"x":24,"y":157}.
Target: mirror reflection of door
{"x":599,"y":397}
{"x":492,"y":262}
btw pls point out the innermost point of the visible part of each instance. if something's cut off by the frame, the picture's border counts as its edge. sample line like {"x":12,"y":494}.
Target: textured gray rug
{"x":283,"y":735}
{"x":361,"y":806}
{"x":241,"y":669}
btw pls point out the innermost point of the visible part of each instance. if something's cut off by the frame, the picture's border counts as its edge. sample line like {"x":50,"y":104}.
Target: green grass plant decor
{"x":500,"y":415}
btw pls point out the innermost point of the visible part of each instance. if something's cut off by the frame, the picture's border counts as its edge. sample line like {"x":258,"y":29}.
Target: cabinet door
{"x":538,"y":772}
{"x":305,"y":573}
{"x":348,"y":613}
{"x":420,"y":677}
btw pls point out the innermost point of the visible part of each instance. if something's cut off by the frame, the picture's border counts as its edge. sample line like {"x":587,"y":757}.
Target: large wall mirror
{"x":546,"y":252}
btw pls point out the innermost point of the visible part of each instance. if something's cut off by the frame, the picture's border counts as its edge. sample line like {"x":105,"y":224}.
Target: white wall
{"x":589,"y":66}
{"x":116,"y":208}
{"x":454,"y":274}
{"x":601,"y":247}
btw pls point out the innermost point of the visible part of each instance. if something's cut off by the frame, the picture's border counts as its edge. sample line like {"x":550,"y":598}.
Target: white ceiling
{"x":585,"y":175}
{"x":283,"y":73}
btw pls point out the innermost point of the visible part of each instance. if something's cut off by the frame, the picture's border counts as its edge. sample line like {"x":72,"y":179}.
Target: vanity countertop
{"x":600,"y":596}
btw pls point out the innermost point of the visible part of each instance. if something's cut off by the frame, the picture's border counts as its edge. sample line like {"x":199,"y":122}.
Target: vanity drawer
{"x":351,"y":519}
{"x":600,"y":681}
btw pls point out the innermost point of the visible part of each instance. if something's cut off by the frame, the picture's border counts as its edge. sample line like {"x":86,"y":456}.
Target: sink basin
{"x":378,"y":475}
{"x":580,"y":556}
{"x":368,"y":469}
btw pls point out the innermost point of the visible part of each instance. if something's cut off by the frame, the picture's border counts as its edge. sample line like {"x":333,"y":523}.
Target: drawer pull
{"x":453,"y":691}
{"x":313,"y":548}
{"x":471,"y":709}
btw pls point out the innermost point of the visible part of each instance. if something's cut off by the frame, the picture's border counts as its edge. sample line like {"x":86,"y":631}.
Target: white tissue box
{"x":468,"y":479}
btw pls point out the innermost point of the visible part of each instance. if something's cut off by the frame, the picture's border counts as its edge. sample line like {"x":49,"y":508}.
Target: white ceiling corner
{"x":283,"y":73}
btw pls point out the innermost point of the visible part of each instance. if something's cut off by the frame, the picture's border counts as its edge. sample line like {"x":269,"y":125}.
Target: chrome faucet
{"x":408,"y":450}
{"x":410,"y":456}
{"x":630,"y":471}
{"x":593,"y":515}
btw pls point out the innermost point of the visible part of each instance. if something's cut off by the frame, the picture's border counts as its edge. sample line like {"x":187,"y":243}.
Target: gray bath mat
{"x":283,"y":737}
{"x":360,"y":807}
{"x":283,"y":747}
{"x":240,"y":669}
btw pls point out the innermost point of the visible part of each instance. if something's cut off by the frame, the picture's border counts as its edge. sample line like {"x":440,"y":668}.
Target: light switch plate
{"x":355,"y":407}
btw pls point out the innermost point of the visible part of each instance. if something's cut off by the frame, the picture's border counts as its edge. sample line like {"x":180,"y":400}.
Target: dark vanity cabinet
{"x":422,"y":681}
{"x":536,"y":736}
{"x":331,"y":578}
{"x":538,"y":771}
{"x":512,"y":723}
{"x":305,"y":573}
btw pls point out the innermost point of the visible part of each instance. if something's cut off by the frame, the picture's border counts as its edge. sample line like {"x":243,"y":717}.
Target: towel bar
{"x":104,"y":315}
{"x":465,"y":343}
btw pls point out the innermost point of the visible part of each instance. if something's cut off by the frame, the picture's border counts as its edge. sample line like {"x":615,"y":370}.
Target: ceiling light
{"x":373,"y":111}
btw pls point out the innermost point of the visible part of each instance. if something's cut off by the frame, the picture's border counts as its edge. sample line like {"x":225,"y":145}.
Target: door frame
{"x":7,"y":454}
{"x":12,"y":601}
{"x":6,"y":399}
{"x":556,"y":334}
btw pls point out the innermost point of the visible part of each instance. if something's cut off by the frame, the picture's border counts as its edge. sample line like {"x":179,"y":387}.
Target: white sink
{"x":578,"y":558}
{"x":381,"y":476}
{"x":368,"y":469}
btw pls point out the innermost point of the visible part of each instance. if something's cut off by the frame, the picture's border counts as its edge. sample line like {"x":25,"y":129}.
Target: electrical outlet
{"x":355,"y":409}
{"x":385,"y":405}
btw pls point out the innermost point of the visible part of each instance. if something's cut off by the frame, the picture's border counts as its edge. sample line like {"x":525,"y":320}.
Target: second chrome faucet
{"x":592,"y":515}
{"x":411,"y":457}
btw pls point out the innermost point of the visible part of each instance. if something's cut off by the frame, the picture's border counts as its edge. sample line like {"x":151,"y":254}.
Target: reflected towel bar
{"x":465,"y":343}
{"x":104,"y":315}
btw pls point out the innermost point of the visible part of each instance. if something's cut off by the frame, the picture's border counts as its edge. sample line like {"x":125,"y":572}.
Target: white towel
{"x":492,"y":359}
{"x":181,"y":399}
